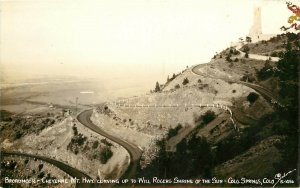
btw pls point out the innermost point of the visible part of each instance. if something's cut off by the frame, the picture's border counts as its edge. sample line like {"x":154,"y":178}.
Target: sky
{"x":120,"y":39}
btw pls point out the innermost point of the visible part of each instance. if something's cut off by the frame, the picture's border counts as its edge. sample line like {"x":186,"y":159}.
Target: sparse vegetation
{"x":13,"y":167}
{"x":15,"y":127}
{"x":185,"y":81}
{"x":77,"y":141}
{"x":173,"y":131}
{"x":93,"y":149}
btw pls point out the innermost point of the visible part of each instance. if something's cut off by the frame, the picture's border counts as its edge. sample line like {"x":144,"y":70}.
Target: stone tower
{"x":255,"y":30}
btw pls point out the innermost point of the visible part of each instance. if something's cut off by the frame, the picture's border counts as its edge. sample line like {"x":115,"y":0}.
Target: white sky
{"x":100,"y":38}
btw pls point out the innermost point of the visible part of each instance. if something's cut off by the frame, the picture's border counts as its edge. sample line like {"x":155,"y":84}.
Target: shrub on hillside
{"x":75,"y":131}
{"x":173,"y":131}
{"x":248,"y":39}
{"x":177,"y":86}
{"x":252,"y":97}
{"x":248,"y":78}
{"x":104,"y":141}
{"x":265,"y":72}
{"x":18,"y":135}
{"x":274,"y":54}
{"x":40,"y":166}
{"x":41,"y":175}
{"x":105,"y":155}
{"x":157,"y":87}
{"x":208,"y":116}
{"x":236,"y":52}
{"x":173,"y":76}
{"x":228,"y":58}
{"x":185,"y":81}
{"x":5,"y":115}
{"x":95,"y":144}
{"x":78,"y":139}
{"x":246,"y":49}
{"x":292,"y":36}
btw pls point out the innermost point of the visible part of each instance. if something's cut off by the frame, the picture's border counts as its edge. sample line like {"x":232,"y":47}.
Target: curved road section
{"x":66,"y":168}
{"x":268,"y":95}
{"x":134,"y":151}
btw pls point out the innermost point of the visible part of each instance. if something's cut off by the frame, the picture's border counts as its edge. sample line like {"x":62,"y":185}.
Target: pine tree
{"x":173,"y":77}
{"x":157,"y":87}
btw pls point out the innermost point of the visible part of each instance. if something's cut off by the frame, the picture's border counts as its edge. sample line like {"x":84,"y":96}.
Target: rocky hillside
{"x":59,"y":136}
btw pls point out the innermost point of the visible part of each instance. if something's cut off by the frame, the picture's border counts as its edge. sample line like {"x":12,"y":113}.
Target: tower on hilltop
{"x":255,"y":30}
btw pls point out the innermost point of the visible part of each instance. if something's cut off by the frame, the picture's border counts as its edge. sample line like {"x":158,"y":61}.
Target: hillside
{"x":170,"y":116}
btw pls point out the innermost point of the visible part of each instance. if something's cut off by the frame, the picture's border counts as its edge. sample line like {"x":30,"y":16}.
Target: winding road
{"x":261,"y":90}
{"x":64,"y":167}
{"x":84,"y":118}
{"x":134,"y":152}
{"x":255,"y":56}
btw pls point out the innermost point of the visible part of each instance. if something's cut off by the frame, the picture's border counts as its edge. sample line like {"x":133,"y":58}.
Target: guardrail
{"x":122,"y":103}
